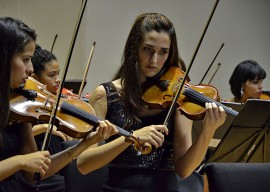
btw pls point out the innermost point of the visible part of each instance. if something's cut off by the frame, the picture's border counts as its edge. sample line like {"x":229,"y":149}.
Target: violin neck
{"x":88,"y":117}
{"x":202,"y":99}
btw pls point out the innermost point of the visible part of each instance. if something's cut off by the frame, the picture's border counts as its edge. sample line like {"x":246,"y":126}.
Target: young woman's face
{"x":252,"y":89}
{"x":153,"y":52}
{"x":21,"y":65}
{"x":50,"y":76}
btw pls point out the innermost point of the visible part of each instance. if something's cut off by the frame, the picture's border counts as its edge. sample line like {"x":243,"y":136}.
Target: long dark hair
{"x":15,"y":35}
{"x":244,"y":71}
{"x":129,"y":70}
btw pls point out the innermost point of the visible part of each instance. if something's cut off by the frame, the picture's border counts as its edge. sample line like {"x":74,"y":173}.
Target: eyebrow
{"x":163,"y":48}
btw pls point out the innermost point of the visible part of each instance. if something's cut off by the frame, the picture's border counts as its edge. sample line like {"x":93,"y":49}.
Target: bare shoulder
{"x":117,"y":84}
{"x":98,"y":101}
{"x":98,"y":92}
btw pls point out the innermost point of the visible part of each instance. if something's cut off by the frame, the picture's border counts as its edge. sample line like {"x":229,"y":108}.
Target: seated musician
{"x":19,"y":157}
{"x":151,"y":46}
{"x":246,"y":82}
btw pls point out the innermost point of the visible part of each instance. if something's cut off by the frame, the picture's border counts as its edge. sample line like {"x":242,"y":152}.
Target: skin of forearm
{"x":191,"y":160}
{"x":61,"y":159}
{"x":87,"y":161}
{"x":9,"y":166}
{"x":38,"y":129}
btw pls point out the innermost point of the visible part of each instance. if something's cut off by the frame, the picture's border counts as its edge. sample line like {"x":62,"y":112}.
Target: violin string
{"x":189,"y":66}
{"x":46,"y":101}
{"x":88,"y":116}
{"x":84,"y":115}
{"x":202,"y":98}
{"x":227,"y":109}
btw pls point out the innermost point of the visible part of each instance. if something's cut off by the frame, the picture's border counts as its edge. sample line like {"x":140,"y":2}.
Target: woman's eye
{"x":51,"y":75}
{"x":256,"y":82}
{"x":163,"y":52}
{"x":146,"y":49}
{"x":26,"y":60}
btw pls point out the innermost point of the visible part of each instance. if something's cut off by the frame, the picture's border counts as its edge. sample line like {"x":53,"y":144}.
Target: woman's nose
{"x":154,"y":58}
{"x":57,"y":78}
{"x":29,"y":69}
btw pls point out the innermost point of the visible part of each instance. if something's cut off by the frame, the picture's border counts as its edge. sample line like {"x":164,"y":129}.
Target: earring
{"x":242,"y":92}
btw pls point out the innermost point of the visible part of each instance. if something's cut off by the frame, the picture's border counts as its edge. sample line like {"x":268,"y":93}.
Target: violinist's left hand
{"x":103,"y":132}
{"x":214,"y":117}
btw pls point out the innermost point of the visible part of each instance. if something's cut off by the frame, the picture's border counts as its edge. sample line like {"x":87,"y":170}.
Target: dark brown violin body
{"x":191,"y":100}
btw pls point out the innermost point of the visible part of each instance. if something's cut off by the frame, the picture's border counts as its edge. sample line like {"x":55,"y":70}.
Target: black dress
{"x":10,"y":145}
{"x":132,"y":172}
{"x":56,"y":182}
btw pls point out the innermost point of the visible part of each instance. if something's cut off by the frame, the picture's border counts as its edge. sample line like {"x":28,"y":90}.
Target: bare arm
{"x":87,"y":160}
{"x":188,"y":156}
{"x":106,"y":153}
{"x":30,"y":161}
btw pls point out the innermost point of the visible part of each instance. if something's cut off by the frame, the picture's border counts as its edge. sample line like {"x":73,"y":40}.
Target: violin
{"x":68,"y":93}
{"x":38,"y":106}
{"x":264,"y":97}
{"x":74,"y":117}
{"x":191,"y":100}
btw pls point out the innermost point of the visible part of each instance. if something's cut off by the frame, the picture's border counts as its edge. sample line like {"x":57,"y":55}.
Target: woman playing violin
{"x":151,"y":46}
{"x":46,"y":71}
{"x":18,"y":152}
{"x":246,"y":81}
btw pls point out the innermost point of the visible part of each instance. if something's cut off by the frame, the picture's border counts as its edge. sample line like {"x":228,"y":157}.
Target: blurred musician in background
{"x":246,"y":82}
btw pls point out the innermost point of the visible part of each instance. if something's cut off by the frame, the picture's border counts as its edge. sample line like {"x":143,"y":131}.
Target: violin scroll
{"x":144,"y":148}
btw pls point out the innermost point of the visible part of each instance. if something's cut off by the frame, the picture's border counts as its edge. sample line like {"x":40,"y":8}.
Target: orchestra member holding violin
{"x":151,"y":48}
{"x":46,"y":71}
{"x":246,"y":82}
{"x":18,"y":153}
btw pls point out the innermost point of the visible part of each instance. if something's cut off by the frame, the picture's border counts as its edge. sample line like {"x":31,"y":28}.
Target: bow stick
{"x":189,"y":67}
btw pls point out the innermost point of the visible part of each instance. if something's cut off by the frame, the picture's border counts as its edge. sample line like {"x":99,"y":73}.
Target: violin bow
{"x":189,"y":67}
{"x":218,"y":66}
{"x":54,"y":40}
{"x":211,"y":63}
{"x":86,"y":70}
{"x":56,"y":103}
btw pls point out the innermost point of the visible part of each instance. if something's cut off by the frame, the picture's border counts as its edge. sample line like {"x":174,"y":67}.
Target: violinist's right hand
{"x":103,"y":132}
{"x":152,"y":134}
{"x":36,"y":162}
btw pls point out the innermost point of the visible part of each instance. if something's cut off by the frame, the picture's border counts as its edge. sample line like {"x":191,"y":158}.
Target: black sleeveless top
{"x":158,"y":159}
{"x":10,"y":145}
